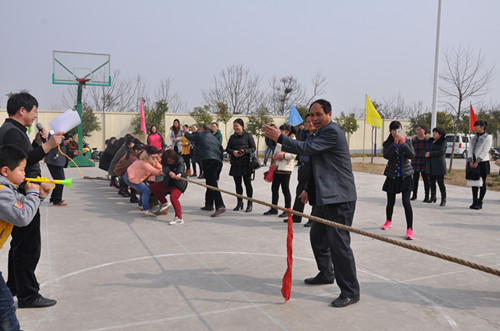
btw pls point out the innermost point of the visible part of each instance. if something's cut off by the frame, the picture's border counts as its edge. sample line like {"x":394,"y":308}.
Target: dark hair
{"x":327,"y":106}
{"x":240,"y":122}
{"x":138,"y":146}
{"x":439,"y":130}
{"x":173,"y":128}
{"x":307,"y":115}
{"x":11,"y":156}
{"x":129,"y":139}
{"x":393,"y":126}
{"x":20,"y":100}
{"x":169,"y":154}
{"x":481,"y":123}
{"x":215,"y":124}
{"x":151,"y":150}
{"x":151,"y":129}
{"x":286,"y":127}
{"x":206,"y":127}
{"x":423,"y":127}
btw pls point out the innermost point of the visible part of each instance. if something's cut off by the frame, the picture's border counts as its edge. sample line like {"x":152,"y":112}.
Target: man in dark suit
{"x":332,"y":192}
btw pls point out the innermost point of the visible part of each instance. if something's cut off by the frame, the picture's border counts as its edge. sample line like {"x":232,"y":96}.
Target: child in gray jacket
{"x":15,"y":209}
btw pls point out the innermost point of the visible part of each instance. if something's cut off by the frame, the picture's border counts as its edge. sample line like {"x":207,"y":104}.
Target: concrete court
{"x":111,"y":269}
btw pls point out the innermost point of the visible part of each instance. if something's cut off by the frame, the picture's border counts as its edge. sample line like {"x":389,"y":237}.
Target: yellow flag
{"x":372,"y":116}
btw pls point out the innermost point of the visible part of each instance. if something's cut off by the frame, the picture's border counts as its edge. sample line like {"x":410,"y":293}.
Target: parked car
{"x":461,"y":144}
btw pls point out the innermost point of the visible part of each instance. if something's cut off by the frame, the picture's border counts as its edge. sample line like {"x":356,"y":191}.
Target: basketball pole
{"x":81,"y":160}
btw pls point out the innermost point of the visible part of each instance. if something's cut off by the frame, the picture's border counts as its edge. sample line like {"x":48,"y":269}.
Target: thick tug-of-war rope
{"x":415,"y":248}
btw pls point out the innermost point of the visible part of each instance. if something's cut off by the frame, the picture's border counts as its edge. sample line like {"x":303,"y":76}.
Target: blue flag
{"x":294,"y":118}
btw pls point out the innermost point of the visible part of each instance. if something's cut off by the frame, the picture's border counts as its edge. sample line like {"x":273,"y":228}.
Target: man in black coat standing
{"x":25,"y":246}
{"x":332,"y":192}
{"x":210,"y":154}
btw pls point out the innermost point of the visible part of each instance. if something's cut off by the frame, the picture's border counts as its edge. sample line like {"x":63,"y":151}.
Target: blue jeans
{"x":269,"y":151}
{"x":8,"y":319}
{"x":143,"y":190}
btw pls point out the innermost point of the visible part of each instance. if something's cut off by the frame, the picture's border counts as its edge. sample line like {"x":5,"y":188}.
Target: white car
{"x":461,"y":144}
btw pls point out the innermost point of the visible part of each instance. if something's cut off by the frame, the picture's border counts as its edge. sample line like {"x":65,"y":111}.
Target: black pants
{"x":440,"y":181}
{"x":391,"y":201}
{"x":484,"y":168}
{"x":247,"y":179}
{"x":187,"y":160}
{"x":332,"y":246}
{"x":283,"y":180}
{"x":425,"y":179}
{"x":212,"y":172}
{"x":24,"y":255}
{"x":57,"y":172}
{"x":298,"y":205}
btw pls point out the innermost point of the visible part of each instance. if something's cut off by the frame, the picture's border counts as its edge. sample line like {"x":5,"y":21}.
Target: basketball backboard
{"x":70,"y":67}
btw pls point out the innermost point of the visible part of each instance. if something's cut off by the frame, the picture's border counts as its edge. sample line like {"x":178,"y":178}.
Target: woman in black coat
{"x":435,"y":165}
{"x":398,"y":151}
{"x":241,"y":146}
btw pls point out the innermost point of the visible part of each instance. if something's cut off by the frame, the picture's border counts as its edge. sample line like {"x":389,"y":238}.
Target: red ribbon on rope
{"x":286,"y":288}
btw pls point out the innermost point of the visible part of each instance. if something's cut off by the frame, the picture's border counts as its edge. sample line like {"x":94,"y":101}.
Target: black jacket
{"x":393,"y":155}
{"x":14,"y":133}
{"x":207,"y":146}
{"x":436,"y":163}
{"x":178,"y":168}
{"x":243,"y":141}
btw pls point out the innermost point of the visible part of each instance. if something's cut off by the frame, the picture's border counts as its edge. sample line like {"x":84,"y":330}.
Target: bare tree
{"x":237,"y":88}
{"x":464,"y":77}
{"x":173,"y":100}
{"x":285,"y":91}
{"x":397,"y":108}
{"x":319,"y":83}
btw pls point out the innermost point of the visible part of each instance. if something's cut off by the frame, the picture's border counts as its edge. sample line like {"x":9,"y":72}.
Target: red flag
{"x":143,"y":120}
{"x":286,"y":288}
{"x":473,"y":118}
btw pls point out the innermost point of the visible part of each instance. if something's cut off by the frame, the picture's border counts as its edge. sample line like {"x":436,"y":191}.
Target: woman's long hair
{"x":393,"y":126}
{"x":148,"y":153}
{"x":176,"y":129}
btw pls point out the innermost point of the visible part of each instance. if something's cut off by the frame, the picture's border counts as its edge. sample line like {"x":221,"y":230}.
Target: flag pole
{"x":372,"y":145}
{"x":364,"y":135}
{"x":375,"y":149}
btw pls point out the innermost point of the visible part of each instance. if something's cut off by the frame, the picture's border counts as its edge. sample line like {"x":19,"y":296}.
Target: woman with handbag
{"x":284,"y":163}
{"x":398,"y":151}
{"x":240,"y":147}
{"x":435,"y":166}
{"x":478,"y":158}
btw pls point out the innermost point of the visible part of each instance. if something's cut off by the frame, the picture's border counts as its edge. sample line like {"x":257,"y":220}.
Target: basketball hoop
{"x":83,"y":81}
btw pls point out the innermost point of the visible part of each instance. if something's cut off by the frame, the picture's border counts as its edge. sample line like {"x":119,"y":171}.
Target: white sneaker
{"x":148,"y":213}
{"x":163,"y":209}
{"x":177,"y":221}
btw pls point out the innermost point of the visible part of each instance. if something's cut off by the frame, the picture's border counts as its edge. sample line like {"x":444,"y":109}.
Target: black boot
{"x":239,"y":205}
{"x":443,"y":202}
{"x":249,"y":206}
{"x":432,"y":199}
{"x":426,"y":199}
{"x":414,"y":196}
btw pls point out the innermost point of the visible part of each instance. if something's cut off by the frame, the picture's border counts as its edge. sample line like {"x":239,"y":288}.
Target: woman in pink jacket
{"x":147,"y":165}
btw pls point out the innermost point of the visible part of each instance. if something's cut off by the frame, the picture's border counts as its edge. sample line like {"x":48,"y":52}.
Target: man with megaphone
{"x":25,"y":246}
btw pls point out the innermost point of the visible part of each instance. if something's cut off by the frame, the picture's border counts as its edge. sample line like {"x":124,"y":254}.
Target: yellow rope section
{"x":399,"y":243}
{"x":76,"y":165}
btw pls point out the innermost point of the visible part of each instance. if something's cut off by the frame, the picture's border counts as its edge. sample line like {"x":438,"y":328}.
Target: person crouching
{"x":173,"y":168}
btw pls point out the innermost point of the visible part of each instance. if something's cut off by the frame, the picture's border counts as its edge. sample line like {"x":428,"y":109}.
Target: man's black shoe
{"x":283,"y":214}
{"x":344,"y":301}
{"x":39,"y":302}
{"x":294,"y":221}
{"x":271,"y":212}
{"x":318,"y":280}
{"x":207,"y":208}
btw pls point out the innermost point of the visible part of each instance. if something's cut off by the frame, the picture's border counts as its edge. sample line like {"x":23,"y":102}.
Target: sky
{"x":383,"y":48}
